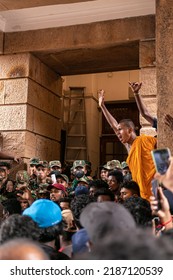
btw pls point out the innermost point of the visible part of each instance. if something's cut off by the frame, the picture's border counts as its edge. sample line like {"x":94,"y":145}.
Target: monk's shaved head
{"x":128,"y":123}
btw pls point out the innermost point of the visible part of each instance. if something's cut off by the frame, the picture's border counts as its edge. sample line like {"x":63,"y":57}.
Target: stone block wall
{"x":30,"y":101}
{"x":148,"y":78}
{"x":164,"y":42}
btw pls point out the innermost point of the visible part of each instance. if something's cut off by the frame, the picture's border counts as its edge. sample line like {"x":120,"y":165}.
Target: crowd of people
{"x":47,"y":213}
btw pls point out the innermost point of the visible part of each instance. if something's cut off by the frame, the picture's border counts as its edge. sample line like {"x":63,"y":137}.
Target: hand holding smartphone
{"x":155,"y":185}
{"x":161,"y":159}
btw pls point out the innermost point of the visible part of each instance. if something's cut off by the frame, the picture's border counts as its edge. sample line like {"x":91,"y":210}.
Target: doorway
{"x":110,"y":146}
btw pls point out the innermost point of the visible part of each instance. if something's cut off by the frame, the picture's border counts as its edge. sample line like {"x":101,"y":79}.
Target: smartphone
{"x":155,"y":185}
{"x":161,"y":159}
{"x":157,"y":224}
{"x":53,"y":177}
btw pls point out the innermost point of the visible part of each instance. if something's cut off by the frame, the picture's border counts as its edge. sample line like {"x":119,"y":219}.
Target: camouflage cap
{"x":77,"y":163}
{"x":84,"y":180}
{"x":5,"y":164}
{"x":43,"y":163}
{"x":34,"y":161}
{"x":22,"y":177}
{"x":124,"y":164}
{"x":64,"y":177}
{"x":54,"y":163}
{"x":113,"y":164}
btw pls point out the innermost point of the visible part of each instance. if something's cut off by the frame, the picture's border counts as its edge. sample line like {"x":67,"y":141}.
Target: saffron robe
{"x":141,"y":163}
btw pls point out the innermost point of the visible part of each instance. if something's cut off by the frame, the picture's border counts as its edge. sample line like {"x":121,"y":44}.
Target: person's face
{"x":24,"y":204}
{"x":102,"y":198}
{"x":125,"y":171}
{"x":9,"y":186}
{"x":112,"y":182}
{"x":104,"y":174}
{"x":32,"y":170}
{"x":124,"y":133}
{"x":42,"y":172}
{"x":56,"y":194}
{"x":62,"y":182}
{"x":64,"y":205}
{"x":56,"y":168}
{"x":125,"y":193}
{"x":92,"y":191}
{"x":80,"y":171}
{"x":6,"y":170}
{"x":3,"y":174}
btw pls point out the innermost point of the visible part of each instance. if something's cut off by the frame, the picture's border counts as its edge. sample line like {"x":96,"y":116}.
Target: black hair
{"x":17,"y":226}
{"x":6,"y":164}
{"x":140,"y":210}
{"x":77,"y":205}
{"x":67,"y":235}
{"x":65,"y":199}
{"x":98,"y":184}
{"x":50,"y":233}
{"x":104,"y":191}
{"x":88,"y":169}
{"x":12,"y":206}
{"x":117,"y":174}
{"x":131,"y":185}
{"x":127,"y":177}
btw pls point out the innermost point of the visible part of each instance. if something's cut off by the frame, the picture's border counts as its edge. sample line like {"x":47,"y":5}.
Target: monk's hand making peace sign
{"x":135,"y":86}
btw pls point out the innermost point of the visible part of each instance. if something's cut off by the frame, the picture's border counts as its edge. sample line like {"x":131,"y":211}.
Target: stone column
{"x":148,"y":79}
{"x":30,"y":101}
{"x":164,"y":54}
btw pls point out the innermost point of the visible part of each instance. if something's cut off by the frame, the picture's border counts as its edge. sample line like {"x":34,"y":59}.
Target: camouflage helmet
{"x":83,"y":180}
{"x":113,"y":164}
{"x":124,"y":164}
{"x":64,"y":177}
{"x":77,"y":163}
{"x":43,"y":163}
{"x":54,"y":163}
{"x":34,"y":161}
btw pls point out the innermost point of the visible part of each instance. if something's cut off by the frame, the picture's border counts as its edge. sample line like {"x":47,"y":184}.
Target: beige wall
{"x":115,"y":84}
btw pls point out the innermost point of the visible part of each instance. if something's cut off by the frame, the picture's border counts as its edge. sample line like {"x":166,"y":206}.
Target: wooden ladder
{"x":75,"y":124}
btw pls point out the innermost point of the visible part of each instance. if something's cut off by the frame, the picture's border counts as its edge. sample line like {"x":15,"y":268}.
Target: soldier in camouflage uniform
{"x":80,"y":171}
{"x":109,"y":166}
{"x":33,"y":173}
{"x":55,"y":165}
{"x":24,"y":193}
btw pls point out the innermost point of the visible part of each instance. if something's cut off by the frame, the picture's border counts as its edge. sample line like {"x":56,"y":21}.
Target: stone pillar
{"x":30,"y":100}
{"x":164,"y":54}
{"x":148,"y":79}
